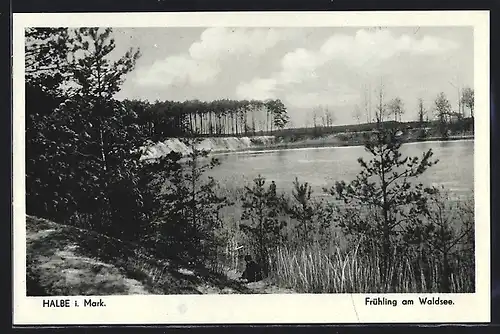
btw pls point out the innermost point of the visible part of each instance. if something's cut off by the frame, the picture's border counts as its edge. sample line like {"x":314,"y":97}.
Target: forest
{"x":382,"y":232}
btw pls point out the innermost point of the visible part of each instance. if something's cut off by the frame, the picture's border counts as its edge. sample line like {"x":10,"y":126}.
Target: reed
{"x":314,"y":269}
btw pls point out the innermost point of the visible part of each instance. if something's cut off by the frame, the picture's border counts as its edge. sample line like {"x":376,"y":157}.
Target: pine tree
{"x":188,"y":221}
{"x":279,"y":113}
{"x":86,"y":141}
{"x":261,"y":211}
{"x":382,"y":199}
{"x":446,"y":233}
{"x":46,"y":71}
{"x":303,"y":211}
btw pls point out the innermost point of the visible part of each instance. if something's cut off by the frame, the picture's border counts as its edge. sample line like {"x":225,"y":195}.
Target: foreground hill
{"x":65,"y":260}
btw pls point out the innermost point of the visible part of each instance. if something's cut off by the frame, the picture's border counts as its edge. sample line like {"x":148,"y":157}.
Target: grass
{"x":313,"y":270}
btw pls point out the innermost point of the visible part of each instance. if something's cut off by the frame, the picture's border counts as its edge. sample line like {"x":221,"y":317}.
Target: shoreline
{"x":277,"y":144}
{"x":329,"y":144}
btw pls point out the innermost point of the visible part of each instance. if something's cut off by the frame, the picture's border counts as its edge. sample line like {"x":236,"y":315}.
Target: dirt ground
{"x":64,"y":260}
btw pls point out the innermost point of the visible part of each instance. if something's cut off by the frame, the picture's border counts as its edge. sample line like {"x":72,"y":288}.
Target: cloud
{"x":259,"y":89}
{"x":219,"y":43}
{"x":299,"y":65}
{"x":367,"y":47}
{"x":176,"y":70}
{"x":355,"y":55}
{"x":202,"y":63}
{"x":333,"y":95}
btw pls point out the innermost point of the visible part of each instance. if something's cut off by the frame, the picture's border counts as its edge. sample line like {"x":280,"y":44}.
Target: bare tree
{"x":357,"y":114}
{"x":421,"y":111}
{"x":381,"y":111}
{"x":315,"y":112}
{"x":367,"y":103}
{"x":443,"y":110}
{"x":324,"y":119}
{"x":329,"y":116}
{"x":395,"y":107}
{"x":442,"y":107}
{"x":459,"y":95}
{"x":468,"y":99}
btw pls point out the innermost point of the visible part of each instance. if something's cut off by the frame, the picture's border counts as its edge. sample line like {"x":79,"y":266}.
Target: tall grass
{"x":342,"y":266}
{"x":316,"y":270}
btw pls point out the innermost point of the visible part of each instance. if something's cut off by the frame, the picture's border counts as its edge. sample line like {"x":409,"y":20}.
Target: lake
{"x":321,"y":167}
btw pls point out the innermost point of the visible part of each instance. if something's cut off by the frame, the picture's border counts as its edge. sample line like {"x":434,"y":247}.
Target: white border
{"x":302,"y":308}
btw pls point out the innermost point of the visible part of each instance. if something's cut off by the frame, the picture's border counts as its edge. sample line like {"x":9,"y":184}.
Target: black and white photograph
{"x":251,"y":160}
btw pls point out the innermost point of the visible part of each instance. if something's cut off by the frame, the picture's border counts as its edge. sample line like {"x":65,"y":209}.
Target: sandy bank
{"x":259,"y":143}
{"x":213,"y":145}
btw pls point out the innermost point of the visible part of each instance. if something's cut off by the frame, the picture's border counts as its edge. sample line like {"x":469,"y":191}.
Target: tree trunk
{"x":210,"y":131}
{"x":445,"y":275}
{"x":386,"y":233}
{"x":253,"y":121}
{"x":232,"y":122}
{"x":236,"y":122}
{"x":267,"y":121}
{"x":245,"y":127}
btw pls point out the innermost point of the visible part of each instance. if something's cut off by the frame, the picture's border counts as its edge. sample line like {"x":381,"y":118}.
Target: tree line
{"x":215,"y":118}
{"x":394,"y":108}
{"x":441,"y":109}
{"x":440,"y":116}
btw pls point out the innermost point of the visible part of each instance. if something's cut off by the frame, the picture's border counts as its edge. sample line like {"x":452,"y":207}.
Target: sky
{"x":304,"y":67}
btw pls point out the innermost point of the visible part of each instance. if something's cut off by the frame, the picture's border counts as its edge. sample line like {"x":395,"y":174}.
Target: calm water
{"x":321,"y":167}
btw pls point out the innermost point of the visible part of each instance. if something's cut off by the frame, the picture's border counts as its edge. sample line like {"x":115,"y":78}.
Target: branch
{"x":367,"y":199}
{"x":397,"y":177}
{"x":396,"y":193}
{"x":459,"y":238}
{"x":87,"y":155}
{"x":399,"y":223}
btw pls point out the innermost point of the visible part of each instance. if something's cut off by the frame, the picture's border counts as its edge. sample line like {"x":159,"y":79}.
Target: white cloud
{"x":365,"y":51}
{"x":218,"y":43}
{"x":371,"y":47}
{"x":201,"y":64}
{"x":259,"y":89}
{"x":298,"y":65}
{"x":333,"y":95}
{"x":176,"y":70}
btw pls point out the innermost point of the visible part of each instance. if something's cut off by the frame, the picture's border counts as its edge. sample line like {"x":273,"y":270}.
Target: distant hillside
{"x":67,"y":261}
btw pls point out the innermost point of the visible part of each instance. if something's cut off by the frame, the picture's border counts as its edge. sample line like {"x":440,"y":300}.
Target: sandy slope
{"x":60,"y":268}
{"x":214,"y":145}
{"x":64,"y":260}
